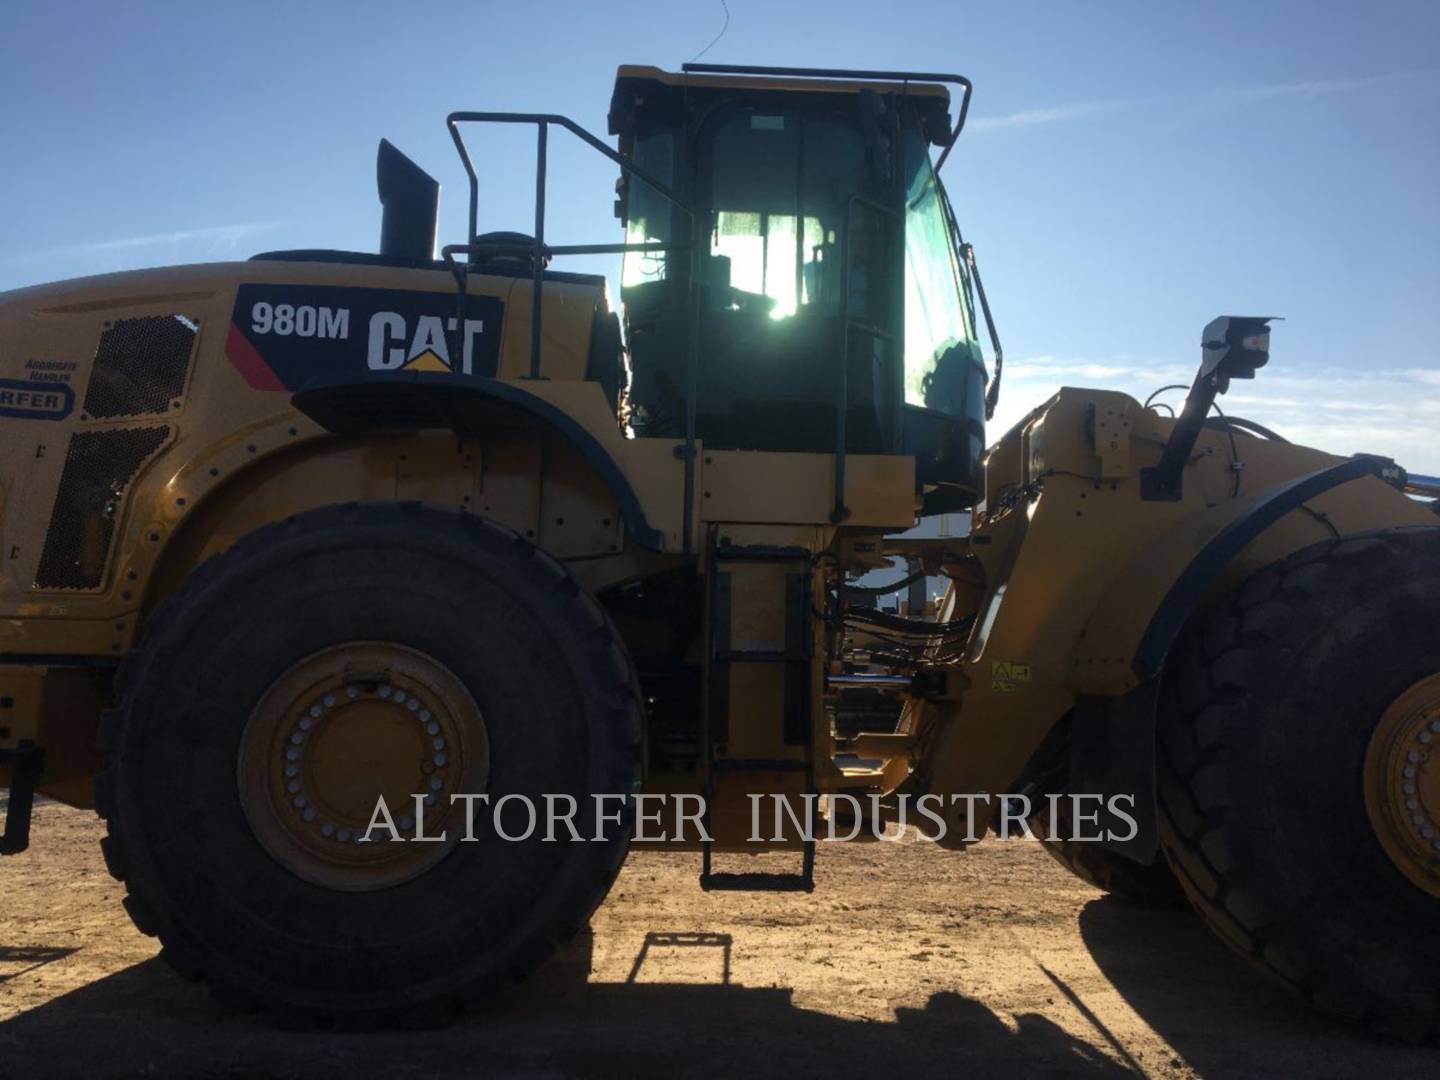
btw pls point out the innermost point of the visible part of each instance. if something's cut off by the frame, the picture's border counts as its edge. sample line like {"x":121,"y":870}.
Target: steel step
{"x":757,"y":882}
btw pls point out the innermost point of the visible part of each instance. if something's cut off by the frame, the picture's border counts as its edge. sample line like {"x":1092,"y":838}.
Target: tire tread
{"x":601,"y":639}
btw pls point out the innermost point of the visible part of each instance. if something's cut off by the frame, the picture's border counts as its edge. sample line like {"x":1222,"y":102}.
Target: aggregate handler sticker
{"x":1006,"y":677}
{"x":285,"y":336}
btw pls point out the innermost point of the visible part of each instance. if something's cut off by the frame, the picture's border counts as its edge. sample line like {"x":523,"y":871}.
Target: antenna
{"x":718,"y":36}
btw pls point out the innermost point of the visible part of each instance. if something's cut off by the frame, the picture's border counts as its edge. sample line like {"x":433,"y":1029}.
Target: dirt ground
{"x":906,"y":960}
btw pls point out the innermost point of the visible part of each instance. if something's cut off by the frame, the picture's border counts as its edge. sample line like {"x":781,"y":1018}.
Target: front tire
{"x":1268,"y":738}
{"x":344,"y":653}
{"x":1138,"y":884}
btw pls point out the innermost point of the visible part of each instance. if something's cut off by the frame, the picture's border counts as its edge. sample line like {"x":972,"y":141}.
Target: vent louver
{"x":99,"y":466}
{"x":140,"y":366}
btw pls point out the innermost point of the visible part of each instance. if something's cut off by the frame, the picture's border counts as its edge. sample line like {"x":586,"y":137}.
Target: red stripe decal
{"x":250,"y":363}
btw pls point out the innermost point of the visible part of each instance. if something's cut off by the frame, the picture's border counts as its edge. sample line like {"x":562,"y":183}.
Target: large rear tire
{"x":1289,"y":714}
{"x":344,"y":653}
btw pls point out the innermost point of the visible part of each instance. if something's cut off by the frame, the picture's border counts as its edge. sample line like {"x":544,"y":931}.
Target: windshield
{"x":937,"y":312}
{"x":780,"y":183}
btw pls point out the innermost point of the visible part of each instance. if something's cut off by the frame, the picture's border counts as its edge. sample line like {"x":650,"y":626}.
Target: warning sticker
{"x":1006,"y":677}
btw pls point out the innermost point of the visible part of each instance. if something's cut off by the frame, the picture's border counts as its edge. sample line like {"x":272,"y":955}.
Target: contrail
{"x":1233,"y":95}
{"x":217,"y":237}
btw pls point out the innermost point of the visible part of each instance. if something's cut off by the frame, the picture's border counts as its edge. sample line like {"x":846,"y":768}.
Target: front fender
{"x":1132,"y":628}
{"x":1112,"y":736}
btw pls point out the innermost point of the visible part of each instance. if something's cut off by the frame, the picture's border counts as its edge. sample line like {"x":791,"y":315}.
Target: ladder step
{"x":759,"y":656}
{"x":760,"y":553}
{"x":754,"y":765}
{"x":850,"y":683}
{"x":862,"y":772}
{"x":797,"y":702}
{"x":760,"y":882}
{"x":757,"y":883}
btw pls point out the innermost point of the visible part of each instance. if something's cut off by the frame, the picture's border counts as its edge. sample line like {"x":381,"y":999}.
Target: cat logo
{"x":285,"y":337}
{"x":393,"y":347}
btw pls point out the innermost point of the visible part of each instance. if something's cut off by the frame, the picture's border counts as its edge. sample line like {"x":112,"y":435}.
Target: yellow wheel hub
{"x":1402,"y":783}
{"x":338,"y":731}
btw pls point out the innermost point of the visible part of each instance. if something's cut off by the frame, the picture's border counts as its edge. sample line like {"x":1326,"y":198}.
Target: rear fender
{"x":497,"y":451}
{"x":470,"y":408}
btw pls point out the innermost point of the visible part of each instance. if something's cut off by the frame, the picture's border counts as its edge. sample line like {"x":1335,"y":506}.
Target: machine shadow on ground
{"x":145,"y":1019}
{"x":1214,"y":1012}
{"x":1220,"y":1015}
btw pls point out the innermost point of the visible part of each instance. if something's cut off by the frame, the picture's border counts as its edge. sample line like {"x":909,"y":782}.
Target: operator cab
{"x":825,"y":268}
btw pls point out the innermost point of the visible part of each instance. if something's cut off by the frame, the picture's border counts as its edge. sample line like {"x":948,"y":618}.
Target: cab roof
{"x":638,"y":84}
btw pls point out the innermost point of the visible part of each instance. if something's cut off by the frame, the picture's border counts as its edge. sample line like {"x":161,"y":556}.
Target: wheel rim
{"x":337,"y":731}
{"x":1402,"y":783}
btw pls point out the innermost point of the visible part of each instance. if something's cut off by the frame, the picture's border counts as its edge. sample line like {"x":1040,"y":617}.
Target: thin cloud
{"x":1244,"y":95}
{"x":1037,"y":117}
{"x":212,"y":239}
{"x":1220,"y":97}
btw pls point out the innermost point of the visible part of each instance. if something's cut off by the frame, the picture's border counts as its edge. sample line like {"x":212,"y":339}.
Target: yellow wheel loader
{"x":324,"y":541}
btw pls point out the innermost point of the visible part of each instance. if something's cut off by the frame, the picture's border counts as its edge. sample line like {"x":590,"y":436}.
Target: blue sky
{"x":1130,"y":169}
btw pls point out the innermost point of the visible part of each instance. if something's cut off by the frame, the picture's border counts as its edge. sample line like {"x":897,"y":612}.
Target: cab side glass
{"x":648,"y":214}
{"x":937,"y":319}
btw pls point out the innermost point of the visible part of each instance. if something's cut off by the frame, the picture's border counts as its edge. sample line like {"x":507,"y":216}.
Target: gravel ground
{"x":906,"y":960}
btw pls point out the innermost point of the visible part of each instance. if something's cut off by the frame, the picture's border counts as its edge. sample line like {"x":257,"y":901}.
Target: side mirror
{"x":1234,"y":347}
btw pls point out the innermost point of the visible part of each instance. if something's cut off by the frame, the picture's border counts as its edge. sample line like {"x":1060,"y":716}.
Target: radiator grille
{"x":98,"y":468}
{"x":140,"y":366}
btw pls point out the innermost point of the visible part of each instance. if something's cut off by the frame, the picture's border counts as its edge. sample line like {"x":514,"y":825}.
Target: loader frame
{"x":964,"y":728}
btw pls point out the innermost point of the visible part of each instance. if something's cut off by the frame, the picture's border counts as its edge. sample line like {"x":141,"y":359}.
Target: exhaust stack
{"x":410,"y":201}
